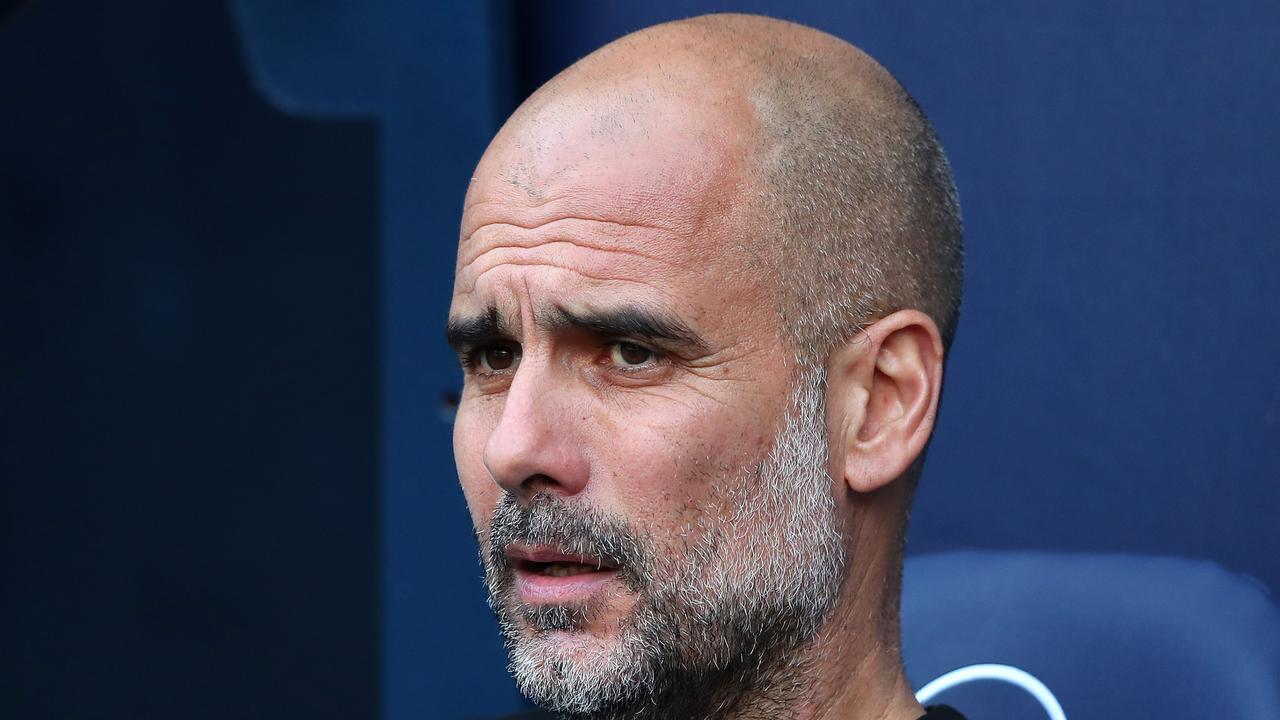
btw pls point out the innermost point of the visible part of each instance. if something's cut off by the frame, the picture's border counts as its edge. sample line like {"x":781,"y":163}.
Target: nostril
{"x":538,"y":482}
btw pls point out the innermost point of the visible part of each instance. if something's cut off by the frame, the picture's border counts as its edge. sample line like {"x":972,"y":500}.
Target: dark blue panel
{"x":427,"y":73}
{"x":317,"y":58}
{"x":1114,"y":383}
{"x":187,"y":391}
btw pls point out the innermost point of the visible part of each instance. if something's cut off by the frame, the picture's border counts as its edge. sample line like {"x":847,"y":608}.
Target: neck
{"x":851,"y":671}
{"x":848,"y":673}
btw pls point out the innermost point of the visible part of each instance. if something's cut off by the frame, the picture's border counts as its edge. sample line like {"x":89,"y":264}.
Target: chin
{"x":579,"y":671}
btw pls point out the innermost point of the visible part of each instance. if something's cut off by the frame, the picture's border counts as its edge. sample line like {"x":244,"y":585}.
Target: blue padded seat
{"x":1112,"y":636}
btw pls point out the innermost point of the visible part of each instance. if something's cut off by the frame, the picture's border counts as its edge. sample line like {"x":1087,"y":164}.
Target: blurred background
{"x":226,"y":247}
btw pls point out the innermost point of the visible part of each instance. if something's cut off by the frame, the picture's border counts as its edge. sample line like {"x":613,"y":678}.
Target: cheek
{"x":470,"y":433}
{"x":667,"y":470}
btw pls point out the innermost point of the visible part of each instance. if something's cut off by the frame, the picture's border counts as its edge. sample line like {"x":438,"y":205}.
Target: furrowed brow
{"x":630,"y":321}
{"x":466,"y":332}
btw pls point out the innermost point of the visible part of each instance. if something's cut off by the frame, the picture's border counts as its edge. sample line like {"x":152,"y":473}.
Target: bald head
{"x":626,"y":237}
{"x":832,"y":172}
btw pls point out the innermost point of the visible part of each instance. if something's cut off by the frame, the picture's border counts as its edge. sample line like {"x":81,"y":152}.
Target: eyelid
{"x":647,"y":345}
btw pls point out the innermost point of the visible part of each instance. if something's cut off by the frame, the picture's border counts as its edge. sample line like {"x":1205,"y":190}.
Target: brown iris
{"x":625,"y":353}
{"x":498,"y":358}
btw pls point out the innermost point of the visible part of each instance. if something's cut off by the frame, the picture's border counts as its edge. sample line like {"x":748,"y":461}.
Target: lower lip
{"x":539,"y":589}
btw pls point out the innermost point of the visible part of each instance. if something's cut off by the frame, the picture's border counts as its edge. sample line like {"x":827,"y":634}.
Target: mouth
{"x":547,"y":576}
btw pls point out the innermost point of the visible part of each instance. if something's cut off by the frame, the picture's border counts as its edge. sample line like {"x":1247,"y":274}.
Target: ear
{"x":882,"y":398}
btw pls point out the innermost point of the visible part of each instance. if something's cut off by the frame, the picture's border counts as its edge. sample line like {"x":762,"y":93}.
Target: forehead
{"x":642,"y":189}
{"x":629,"y":152}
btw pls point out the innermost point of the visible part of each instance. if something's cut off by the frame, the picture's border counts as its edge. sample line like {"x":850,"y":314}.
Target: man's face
{"x":617,"y":439}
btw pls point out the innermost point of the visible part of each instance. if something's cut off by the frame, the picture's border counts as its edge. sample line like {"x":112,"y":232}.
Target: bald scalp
{"x":854,"y":208}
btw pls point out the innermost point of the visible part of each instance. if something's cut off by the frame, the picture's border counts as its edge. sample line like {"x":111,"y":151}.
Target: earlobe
{"x":882,"y":396}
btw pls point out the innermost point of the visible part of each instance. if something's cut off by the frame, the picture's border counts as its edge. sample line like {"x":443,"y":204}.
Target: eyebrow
{"x":463,"y":333}
{"x":626,"y":321}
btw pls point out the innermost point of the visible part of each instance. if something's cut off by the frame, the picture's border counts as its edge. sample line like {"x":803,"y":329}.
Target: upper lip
{"x":525,"y":555}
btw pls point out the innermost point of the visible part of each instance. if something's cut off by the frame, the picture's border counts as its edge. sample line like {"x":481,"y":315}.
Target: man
{"x":705,"y":284}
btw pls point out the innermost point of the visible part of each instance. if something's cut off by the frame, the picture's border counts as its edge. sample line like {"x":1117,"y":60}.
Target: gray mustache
{"x":570,"y":528}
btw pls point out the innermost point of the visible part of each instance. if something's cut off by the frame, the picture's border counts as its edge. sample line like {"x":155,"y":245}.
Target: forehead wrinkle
{"x":595,"y":258}
{"x":470,"y":287}
{"x":565,"y":246}
{"x":668,"y":206}
{"x":532,"y":221}
{"x":475,"y":205}
{"x":554,"y":222}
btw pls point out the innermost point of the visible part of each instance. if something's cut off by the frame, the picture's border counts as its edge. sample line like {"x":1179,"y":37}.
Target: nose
{"x":536,"y":445}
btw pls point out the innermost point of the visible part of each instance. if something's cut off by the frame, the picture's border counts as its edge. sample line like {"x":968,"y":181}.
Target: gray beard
{"x":720,"y":620}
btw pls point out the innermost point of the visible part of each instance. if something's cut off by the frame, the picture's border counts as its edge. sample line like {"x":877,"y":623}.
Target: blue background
{"x":227,"y":236}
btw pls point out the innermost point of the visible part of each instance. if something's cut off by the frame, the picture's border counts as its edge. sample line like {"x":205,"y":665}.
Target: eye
{"x":497,"y":358}
{"x":627,"y":354}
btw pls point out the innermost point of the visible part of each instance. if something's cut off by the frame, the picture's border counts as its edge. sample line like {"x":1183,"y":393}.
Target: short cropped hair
{"x":858,"y":189}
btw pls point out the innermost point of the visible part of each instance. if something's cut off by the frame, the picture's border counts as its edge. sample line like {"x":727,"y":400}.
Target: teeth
{"x":566,"y":569}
